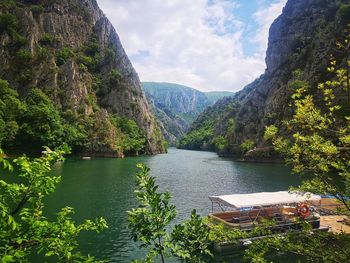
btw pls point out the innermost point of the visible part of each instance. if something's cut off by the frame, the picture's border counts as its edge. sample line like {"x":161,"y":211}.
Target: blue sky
{"x":204,"y":44}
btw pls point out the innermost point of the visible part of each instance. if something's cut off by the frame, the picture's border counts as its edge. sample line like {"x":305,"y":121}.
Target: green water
{"x":104,"y":187}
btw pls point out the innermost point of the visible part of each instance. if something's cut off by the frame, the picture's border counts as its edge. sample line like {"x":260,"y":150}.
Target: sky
{"x":209,"y":45}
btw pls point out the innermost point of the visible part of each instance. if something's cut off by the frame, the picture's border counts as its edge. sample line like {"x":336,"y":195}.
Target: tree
{"x":318,"y":146}
{"x":133,"y":141}
{"x":247,"y":145}
{"x":41,"y":123}
{"x":188,"y":241}
{"x":24,"y":228}
{"x":319,"y":142}
{"x":148,"y":222}
{"x":11,"y":108}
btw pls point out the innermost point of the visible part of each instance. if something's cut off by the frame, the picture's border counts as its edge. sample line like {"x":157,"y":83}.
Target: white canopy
{"x":263,"y":199}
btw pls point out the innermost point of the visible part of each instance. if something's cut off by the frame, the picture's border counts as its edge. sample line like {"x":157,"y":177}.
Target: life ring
{"x":304,"y":210}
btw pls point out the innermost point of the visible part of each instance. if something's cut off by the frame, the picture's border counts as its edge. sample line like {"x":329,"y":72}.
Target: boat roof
{"x":264,"y":199}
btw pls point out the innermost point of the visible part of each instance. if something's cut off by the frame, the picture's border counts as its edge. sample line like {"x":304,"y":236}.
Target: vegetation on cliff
{"x":177,"y":106}
{"x":319,"y":134}
{"x":60,"y":85}
{"x":317,"y":146}
{"x":302,"y":38}
{"x":212,"y":129}
{"x":33,"y":121}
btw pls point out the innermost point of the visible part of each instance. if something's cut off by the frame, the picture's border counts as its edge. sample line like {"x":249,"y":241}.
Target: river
{"x":104,"y":187}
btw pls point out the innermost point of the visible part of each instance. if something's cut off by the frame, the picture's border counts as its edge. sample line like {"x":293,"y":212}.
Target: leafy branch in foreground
{"x":150,"y":221}
{"x":24,"y":228}
{"x":320,"y":142}
{"x":190,"y":241}
{"x":305,"y":245}
{"x":319,"y":147}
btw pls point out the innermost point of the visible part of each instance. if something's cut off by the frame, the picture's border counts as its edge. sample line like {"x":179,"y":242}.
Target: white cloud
{"x":264,"y":17}
{"x":195,"y":43}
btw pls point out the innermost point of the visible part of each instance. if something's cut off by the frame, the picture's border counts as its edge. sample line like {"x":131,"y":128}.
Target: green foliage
{"x":11,"y":108}
{"x":214,"y":128}
{"x":63,"y":56}
{"x":92,"y":48}
{"x":89,"y":56}
{"x":199,"y":139}
{"x":320,"y":138}
{"x":307,"y":245}
{"x":37,"y":9}
{"x":148,"y":222}
{"x":86,"y":61}
{"x":188,"y":241}
{"x":19,"y":40}
{"x":7,"y":4}
{"x":220,"y":143}
{"x":23,"y":57}
{"x":8,"y":22}
{"x":110,"y":55}
{"x":102,"y":134}
{"x":247,"y":145}
{"x":42,"y":124}
{"x":344,"y":12}
{"x":133,"y":140}
{"x":114,"y":78}
{"x":24,"y":229}
{"x":25,"y":125}
{"x":43,"y":53}
{"x":46,"y":39}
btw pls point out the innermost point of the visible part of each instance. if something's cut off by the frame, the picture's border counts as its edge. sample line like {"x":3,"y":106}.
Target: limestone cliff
{"x":71,"y":51}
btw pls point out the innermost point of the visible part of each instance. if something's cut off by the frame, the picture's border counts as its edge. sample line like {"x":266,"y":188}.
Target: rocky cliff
{"x":71,"y":51}
{"x":301,"y":39}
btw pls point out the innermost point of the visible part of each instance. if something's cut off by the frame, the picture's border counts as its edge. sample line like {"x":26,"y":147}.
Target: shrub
{"x":43,"y":53}
{"x":46,"y":39}
{"x":344,"y":12}
{"x":42,"y":122}
{"x":8,"y":22}
{"x":7,"y":4}
{"x":37,"y":9}
{"x":114,"y":78}
{"x":247,"y":145}
{"x":19,"y":40}
{"x":63,"y":56}
{"x":220,"y":143}
{"x":23,"y":57}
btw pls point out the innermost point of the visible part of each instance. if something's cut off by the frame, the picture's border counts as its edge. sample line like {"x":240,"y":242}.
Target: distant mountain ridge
{"x":177,"y":106}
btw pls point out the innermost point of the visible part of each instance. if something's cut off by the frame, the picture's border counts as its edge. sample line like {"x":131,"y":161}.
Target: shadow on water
{"x":104,"y":187}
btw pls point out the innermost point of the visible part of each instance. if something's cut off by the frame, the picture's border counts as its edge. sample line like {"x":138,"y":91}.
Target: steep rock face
{"x":302,"y":38}
{"x":177,"y":106}
{"x":72,"y":52}
{"x":183,"y":101}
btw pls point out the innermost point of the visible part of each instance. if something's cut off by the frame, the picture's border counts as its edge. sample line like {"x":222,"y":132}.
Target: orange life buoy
{"x":304,"y":210}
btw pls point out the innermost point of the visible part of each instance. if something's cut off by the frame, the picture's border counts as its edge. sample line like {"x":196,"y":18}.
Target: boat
{"x":287,"y":210}
{"x":246,"y":211}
